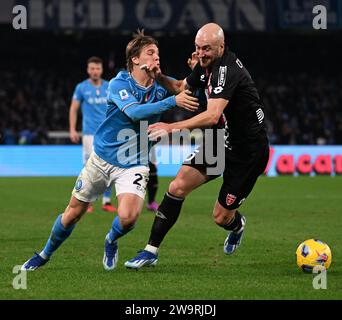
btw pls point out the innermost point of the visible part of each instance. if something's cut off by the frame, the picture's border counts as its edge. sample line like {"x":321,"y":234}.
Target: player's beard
{"x":205,"y":62}
{"x":95,"y":79}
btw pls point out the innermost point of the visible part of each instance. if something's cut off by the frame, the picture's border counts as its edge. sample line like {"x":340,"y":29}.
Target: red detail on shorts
{"x":230,"y":199}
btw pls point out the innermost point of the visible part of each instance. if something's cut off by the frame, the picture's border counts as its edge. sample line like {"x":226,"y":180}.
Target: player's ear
{"x":222,"y":47}
{"x":135,"y":60}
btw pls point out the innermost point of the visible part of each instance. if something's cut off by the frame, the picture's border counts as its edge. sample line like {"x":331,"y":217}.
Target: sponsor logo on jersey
{"x":99,"y":100}
{"x":230,"y":199}
{"x":222,"y":76}
{"x":218,"y":90}
{"x":123,"y":94}
{"x":202,"y":78}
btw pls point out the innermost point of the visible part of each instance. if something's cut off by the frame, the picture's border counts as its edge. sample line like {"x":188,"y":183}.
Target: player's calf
{"x":74,"y":211}
{"x":61,"y":230}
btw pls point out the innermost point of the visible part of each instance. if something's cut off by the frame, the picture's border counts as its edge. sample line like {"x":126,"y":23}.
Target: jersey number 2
{"x":137,"y":181}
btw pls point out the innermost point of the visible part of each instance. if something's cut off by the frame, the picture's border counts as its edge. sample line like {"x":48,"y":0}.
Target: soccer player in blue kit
{"x":91,"y":96}
{"x":133,"y":96}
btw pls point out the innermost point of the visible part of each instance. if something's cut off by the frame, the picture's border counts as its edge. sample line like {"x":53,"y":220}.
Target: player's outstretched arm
{"x":207,"y":118}
{"x":172,"y":85}
{"x":139,"y":112}
{"x":176,"y":86}
{"x":185,"y":100}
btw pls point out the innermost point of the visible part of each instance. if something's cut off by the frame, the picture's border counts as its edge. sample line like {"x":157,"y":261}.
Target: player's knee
{"x":129,"y":221}
{"x":178,"y":188}
{"x":74,"y":212}
{"x":129,"y":217}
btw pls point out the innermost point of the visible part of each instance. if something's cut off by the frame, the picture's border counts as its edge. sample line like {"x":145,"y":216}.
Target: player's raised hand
{"x":193,"y":60}
{"x":185,"y":100}
{"x":74,"y":137}
{"x":153,"y":69}
{"x":158,"y":130}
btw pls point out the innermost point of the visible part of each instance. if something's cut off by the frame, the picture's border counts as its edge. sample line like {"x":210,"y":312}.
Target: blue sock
{"x":108,"y":192}
{"x":58,"y":234}
{"x":117,"y":230}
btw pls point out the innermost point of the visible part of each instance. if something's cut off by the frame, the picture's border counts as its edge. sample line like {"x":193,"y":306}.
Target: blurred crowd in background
{"x":297,"y":79}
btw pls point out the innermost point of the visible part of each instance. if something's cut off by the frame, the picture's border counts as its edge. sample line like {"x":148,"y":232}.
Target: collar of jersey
{"x":89,"y":81}
{"x":140,"y":86}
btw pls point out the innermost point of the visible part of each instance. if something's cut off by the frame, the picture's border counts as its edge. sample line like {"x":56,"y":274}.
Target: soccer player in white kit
{"x":120,"y":156}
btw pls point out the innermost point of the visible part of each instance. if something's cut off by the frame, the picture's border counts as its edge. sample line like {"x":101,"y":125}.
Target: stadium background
{"x":297,"y":70}
{"x":294,"y":66}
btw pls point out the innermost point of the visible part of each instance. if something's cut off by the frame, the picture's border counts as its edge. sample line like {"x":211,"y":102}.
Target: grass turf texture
{"x":281,"y":213}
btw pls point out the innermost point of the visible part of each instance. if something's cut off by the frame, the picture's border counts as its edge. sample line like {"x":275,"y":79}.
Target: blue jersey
{"x":93,"y":101}
{"x":121,"y":139}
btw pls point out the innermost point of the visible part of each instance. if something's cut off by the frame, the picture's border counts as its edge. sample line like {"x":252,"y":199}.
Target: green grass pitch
{"x":281,"y":213}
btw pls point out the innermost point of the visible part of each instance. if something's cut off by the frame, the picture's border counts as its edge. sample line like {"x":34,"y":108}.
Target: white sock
{"x":105,"y":200}
{"x":43,"y":255}
{"x":152,"y":249}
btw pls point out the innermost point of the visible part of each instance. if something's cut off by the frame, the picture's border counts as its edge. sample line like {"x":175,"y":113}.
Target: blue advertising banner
{"x":67,"y":160}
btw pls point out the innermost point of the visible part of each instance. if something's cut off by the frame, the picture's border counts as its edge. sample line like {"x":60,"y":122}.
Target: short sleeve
{"x":225,"y":79}
{"x":119,"y":93}
{"x":78,"y":93}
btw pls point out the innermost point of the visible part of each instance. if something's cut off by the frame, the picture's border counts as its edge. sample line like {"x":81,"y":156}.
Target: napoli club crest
{"x":160,"y":94}
{"x":78,"y":185}
{"x":230,"y":199}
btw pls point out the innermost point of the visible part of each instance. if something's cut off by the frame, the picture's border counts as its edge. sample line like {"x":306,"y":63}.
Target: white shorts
{"x":87,"y":147}
{"x":97,"y":175}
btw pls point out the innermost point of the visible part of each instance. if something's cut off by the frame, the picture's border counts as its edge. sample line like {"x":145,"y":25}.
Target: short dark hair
{"x":94,"y":60}
{"x":135,"y":46}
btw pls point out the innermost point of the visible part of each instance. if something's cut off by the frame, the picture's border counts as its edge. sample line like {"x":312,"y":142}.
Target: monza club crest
{"x":230,"y":199}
